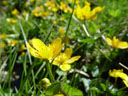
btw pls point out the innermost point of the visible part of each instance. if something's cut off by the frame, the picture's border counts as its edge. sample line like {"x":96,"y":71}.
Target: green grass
{"x":97,"y":57}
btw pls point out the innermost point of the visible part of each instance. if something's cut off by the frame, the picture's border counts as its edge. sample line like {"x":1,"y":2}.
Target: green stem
{"x":69,"y":21}
{"x":49,"y":33}
{"x":50,"y":72}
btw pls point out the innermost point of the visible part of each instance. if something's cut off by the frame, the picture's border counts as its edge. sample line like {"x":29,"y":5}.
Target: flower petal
{"x":122,"y":45}
{"x":33,"y":51}
{"x":109,"y":41}
{"x":73,"y":59}
{"x":68,"y":52}
{"x":46,"y":53}
{"x":65,"y":67}
{"x":126,"y":82}
{"x":38,"y":44}
{"x":56,"y":47}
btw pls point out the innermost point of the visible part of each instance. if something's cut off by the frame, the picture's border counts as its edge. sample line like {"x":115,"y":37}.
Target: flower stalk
{"x":50,"y":72}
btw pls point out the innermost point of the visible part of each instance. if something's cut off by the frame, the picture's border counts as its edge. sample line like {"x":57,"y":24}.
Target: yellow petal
{"x":98,"y":9}
{"x":115,"y":41}
{"x":123,"y":76}
{"x":56,"y":62}
{"x":109,"y":41}
{"x":56,"y":47}
{"x":122,"y":45}
{"x":38,"y":44}
{"x":46,"y":53}
{"x":126,"y":82}
{"x":73,"y":59}
{"x":115,"y":73}
{"x":33,"y":51}
{"x":119,"y":44}
{"x":68,"y":52}
{"x":65,"y":67}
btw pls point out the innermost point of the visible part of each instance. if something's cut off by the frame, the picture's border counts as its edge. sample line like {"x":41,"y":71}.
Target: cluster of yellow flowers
{"x":117,"y":43}
{"x":11,"y":42}
{"x":39,"y":12}
{"x":85,"y":12}
{"x":52,"y":51}
{"x":51,"y":5}
{"x":14,"y":12}
{"x":119,"y":73}
{"x":121,"y":45}
{"x":55,"y":7}
{"x":11,"y":20}
{"x":2,"y":44}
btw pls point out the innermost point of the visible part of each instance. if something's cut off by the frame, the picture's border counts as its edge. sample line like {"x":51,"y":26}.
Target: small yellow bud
{"x":44,"y":83}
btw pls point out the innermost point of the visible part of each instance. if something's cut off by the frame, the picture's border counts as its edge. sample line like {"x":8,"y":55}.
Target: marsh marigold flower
{"x":63,"y":60}
{"x":62,"y":19}
{"x":119,"y":73}
{"x":2,"y":45}
{"x":15,"y":12}
{"x":11,"y":20}
{"x":2,"y":36}
{"x":117,"y":43}
{"x":61,"y":30}
{"x":86,"y":12}
{"x":13,"y":42}
{"x":59,"y":95}
{"x":38,"y":49}
{"x":64,"y":6}
{"x":4,"y":2}
{"x":54,"y":22}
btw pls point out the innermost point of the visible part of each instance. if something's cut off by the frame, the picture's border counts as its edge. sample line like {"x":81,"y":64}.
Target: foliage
{"x":74,"y":52}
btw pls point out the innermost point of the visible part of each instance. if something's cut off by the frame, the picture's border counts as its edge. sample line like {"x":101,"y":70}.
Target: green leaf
{"x":103,"y":86}
{"x":95,"y":71}
{"x":88,"y":40}
{"x":96,"y":89}
{"x":71,"y":91}
{"x":53,"y":89}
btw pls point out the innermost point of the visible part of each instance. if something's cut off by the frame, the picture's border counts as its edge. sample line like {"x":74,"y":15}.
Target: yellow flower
{"x":63,"y":6}
{"x":98,"y":9}
{"x":39,"y":0}
{"x":38,"y":49}
{"x":115,"y":73}
{"x":44,"y":14}
{"x":22,"y":48}
{"x":63,"y":60}
{"x":119,"y":73}
{"x":62,"y":19}
{"x":13,"y":42}
{"x":62,"y":30}
{"x":35,"y":12}
{"x":87,"y":3}
{"x":54,"y":22}
{"x":27,"y":4}
{"x":85,"y":12}
{"x":15,"y":12}
{"x":11,"y":20}
{"x":2,"y":45}
{"x":4,"y":2}
{"x":59,"y":95}
{"x":32,"y":1}
{"x":117,"y":43}
{"x":2,"y":36}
